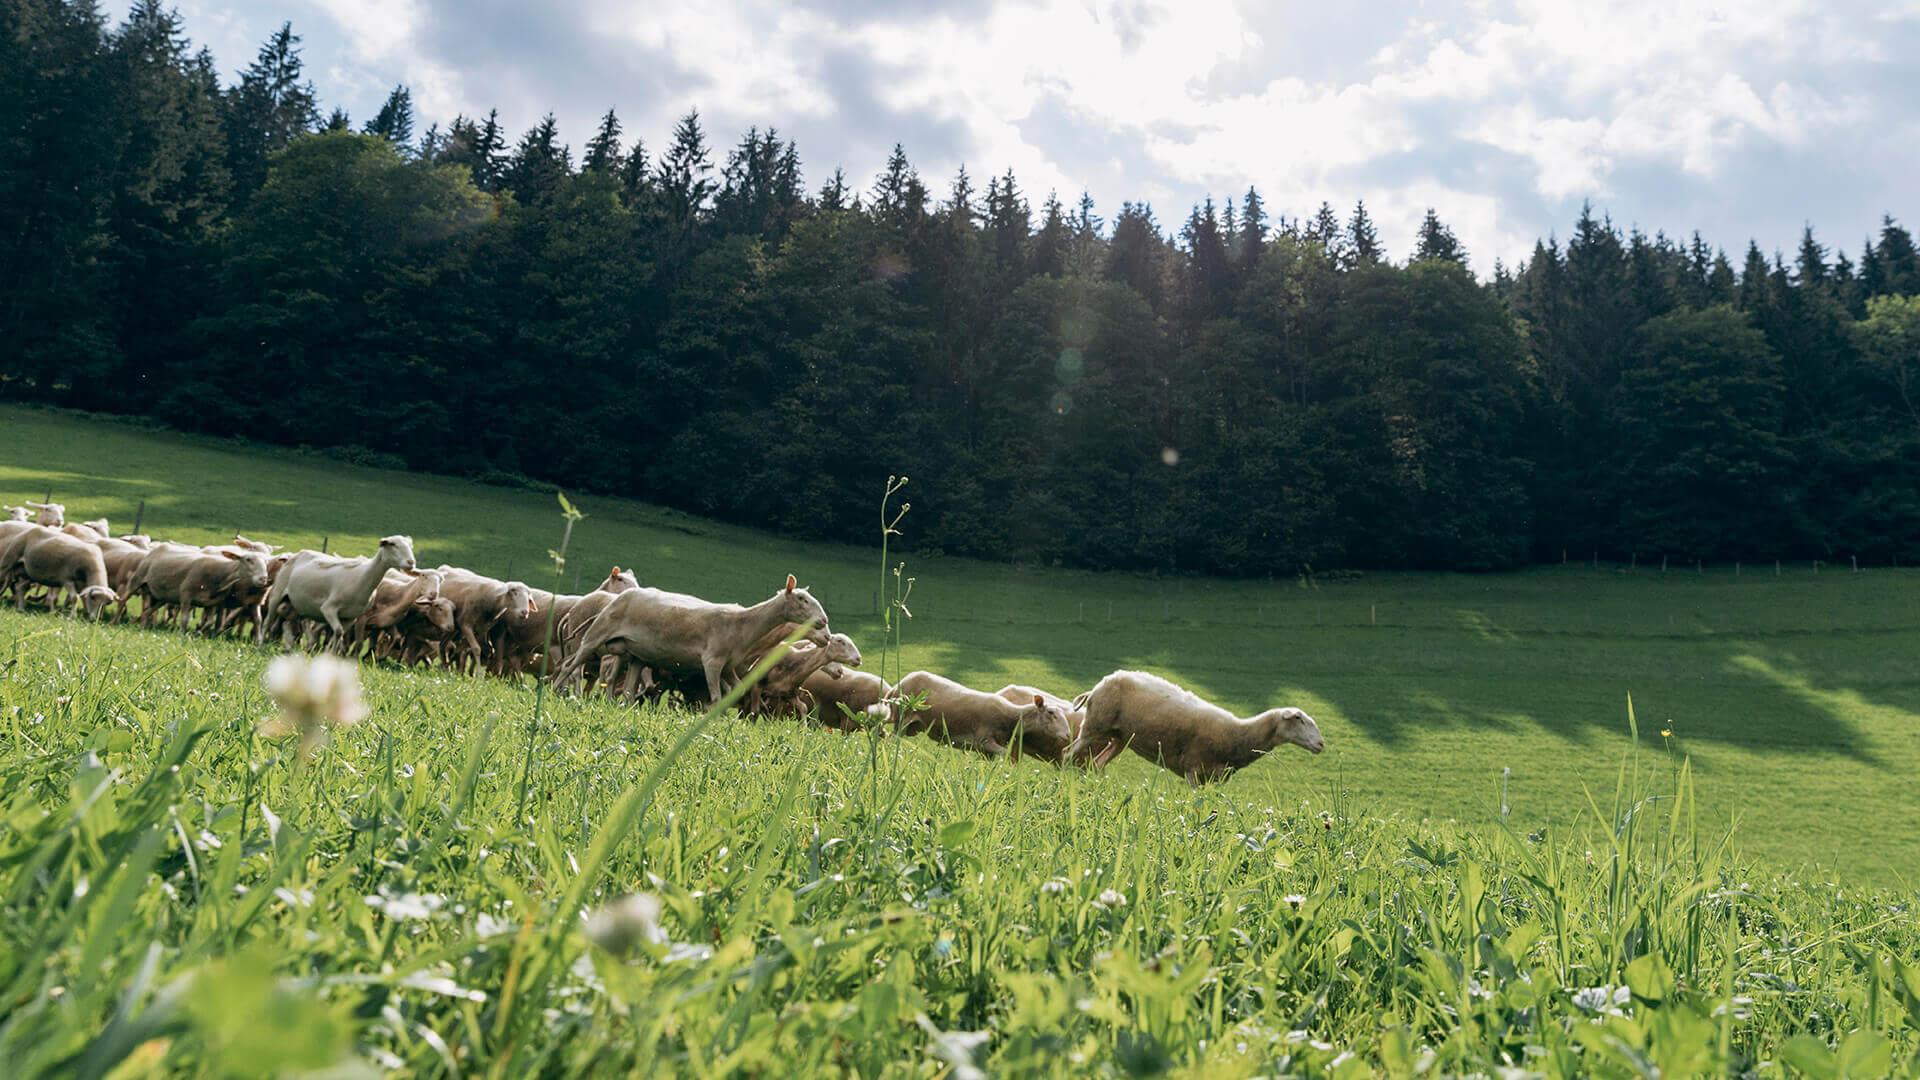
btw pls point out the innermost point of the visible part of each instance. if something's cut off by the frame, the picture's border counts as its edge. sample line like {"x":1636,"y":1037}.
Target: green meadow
{"x":1795,"y":695}
{"x":436,"y":890}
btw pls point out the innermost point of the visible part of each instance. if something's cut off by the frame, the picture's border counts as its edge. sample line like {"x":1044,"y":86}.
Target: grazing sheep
{"x":821,"y":696}
{"x":1180,"y":732}
{"x":668,"y":631}
{"x":69,"y":567}
{"x":333,"y":588}
{"x":1041,"y":743}
{"x":960,"y":716}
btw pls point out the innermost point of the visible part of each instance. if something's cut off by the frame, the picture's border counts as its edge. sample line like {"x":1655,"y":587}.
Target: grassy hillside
{"x":1797,"y":696}
{"x":181,"y":896}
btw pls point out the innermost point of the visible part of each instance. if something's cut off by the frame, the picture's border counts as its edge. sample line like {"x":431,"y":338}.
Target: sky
{"x":1743,"y":120}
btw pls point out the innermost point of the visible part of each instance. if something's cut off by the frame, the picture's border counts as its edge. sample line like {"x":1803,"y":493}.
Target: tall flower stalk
{"x":569,"y":515}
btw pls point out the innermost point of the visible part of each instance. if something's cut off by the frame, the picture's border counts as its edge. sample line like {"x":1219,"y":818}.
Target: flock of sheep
{"x":630,"y":640}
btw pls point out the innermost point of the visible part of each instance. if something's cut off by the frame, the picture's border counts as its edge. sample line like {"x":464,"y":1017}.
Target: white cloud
{"x":1500,"y":114}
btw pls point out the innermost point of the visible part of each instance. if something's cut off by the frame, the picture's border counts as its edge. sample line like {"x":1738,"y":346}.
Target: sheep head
{"x":1291,"y":725}
{"x":842,"y":653}
{"x":620,"y":581}
{"x":18,"y":513}
{"x":95,"y":597}
{"x":439,"y":613}
{"x":252,"y":567}
{"x":52,"y":515}
{"x":397,"y":551}
{"x":1044,"y":729}
{"x":797,"y":605}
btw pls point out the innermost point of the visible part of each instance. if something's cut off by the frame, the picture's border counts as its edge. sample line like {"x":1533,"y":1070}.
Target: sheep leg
{"x":716,"y":670}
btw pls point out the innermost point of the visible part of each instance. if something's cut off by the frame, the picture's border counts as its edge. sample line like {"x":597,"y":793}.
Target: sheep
{"x":51,"y":514}
{"x":518,"y":637}
{"x":972,"y":719}
{"x":821,"y":696}
{"x":395,"y":596}
{"x":189,"y":577}
{"x":571,"y":623}
{"x":122,"y":557}
{"x":420,"y":635}
{"x":18,"y":513}
{"x":479,"y":604}
{"x":245,"y":544}
{"x":333,"y":588}
{"x":672,"y":630}
{"x":778,"y":691}
{"x":65,"y":565}
{"x":1040,"y":743}
{"x":1180,"y":732}
{"x":14,"y":535}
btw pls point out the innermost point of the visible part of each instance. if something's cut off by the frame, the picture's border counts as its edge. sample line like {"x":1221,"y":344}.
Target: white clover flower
{"x":1111,"y":898}
{"x":316,"y":695}
{"x":1294,"y":899}
{"x":408,"y":905}
{"x":627,"y":922}
{"x":1054,"y":887}
{"x":1602,"y":998}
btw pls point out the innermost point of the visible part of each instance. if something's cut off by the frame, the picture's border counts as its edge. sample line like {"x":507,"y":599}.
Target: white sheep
{"x":973,"y":719}
{"x":333,"y":588}
{"x":1180,"y":732}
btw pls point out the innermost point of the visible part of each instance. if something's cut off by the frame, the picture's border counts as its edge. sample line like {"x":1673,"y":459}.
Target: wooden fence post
{"x":323,"y":544}
{"x":138,"y":513}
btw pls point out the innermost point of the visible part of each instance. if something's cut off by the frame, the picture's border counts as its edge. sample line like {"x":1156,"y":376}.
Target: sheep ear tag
{"x":792,"y":582}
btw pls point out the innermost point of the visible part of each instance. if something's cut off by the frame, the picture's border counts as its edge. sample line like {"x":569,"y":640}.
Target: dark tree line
{"x":1238,"y":394}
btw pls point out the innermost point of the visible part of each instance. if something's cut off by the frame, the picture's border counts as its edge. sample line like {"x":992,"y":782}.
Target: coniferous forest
{"x":1247,"y":391}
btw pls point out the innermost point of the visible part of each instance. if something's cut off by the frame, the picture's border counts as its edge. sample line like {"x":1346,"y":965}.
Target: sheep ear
{"x":231,"y":554}
{"x":791,"y":582}
{"x":1038,"y":700}
{"x":616,"y":572}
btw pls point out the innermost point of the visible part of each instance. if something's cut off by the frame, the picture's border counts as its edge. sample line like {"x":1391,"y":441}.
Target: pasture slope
{"x":1797,"y":697}
{"x":180,"y":897}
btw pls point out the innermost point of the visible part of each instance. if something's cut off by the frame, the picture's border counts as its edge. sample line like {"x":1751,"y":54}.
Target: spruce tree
{"x":681,"y":182}
{"x":1898,"y":260}
{"x":1810,"y":265}
{"x":268,"y":109}
{"x":338,"y":120}
{"x":394,"y":121}
{"x":1053,"y":244}
{"x":1362,"y":238}
{"x":489,"y":150}
{"x":540,"y":164}
{"x":603,"y":150}
{"x":1253,"y":230}
{"x":833,"y":193}
{"x":1436,"y":241}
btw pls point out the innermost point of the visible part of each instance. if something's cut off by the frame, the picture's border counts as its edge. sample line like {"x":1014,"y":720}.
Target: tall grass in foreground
{"x":177,"y":898}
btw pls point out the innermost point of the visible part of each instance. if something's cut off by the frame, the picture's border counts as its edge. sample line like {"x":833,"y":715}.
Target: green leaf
{"x":957,"y":833}
{"x":1649,"y":979}
{"x":1865,"y":1054}
{"x":1810,"y":1056}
